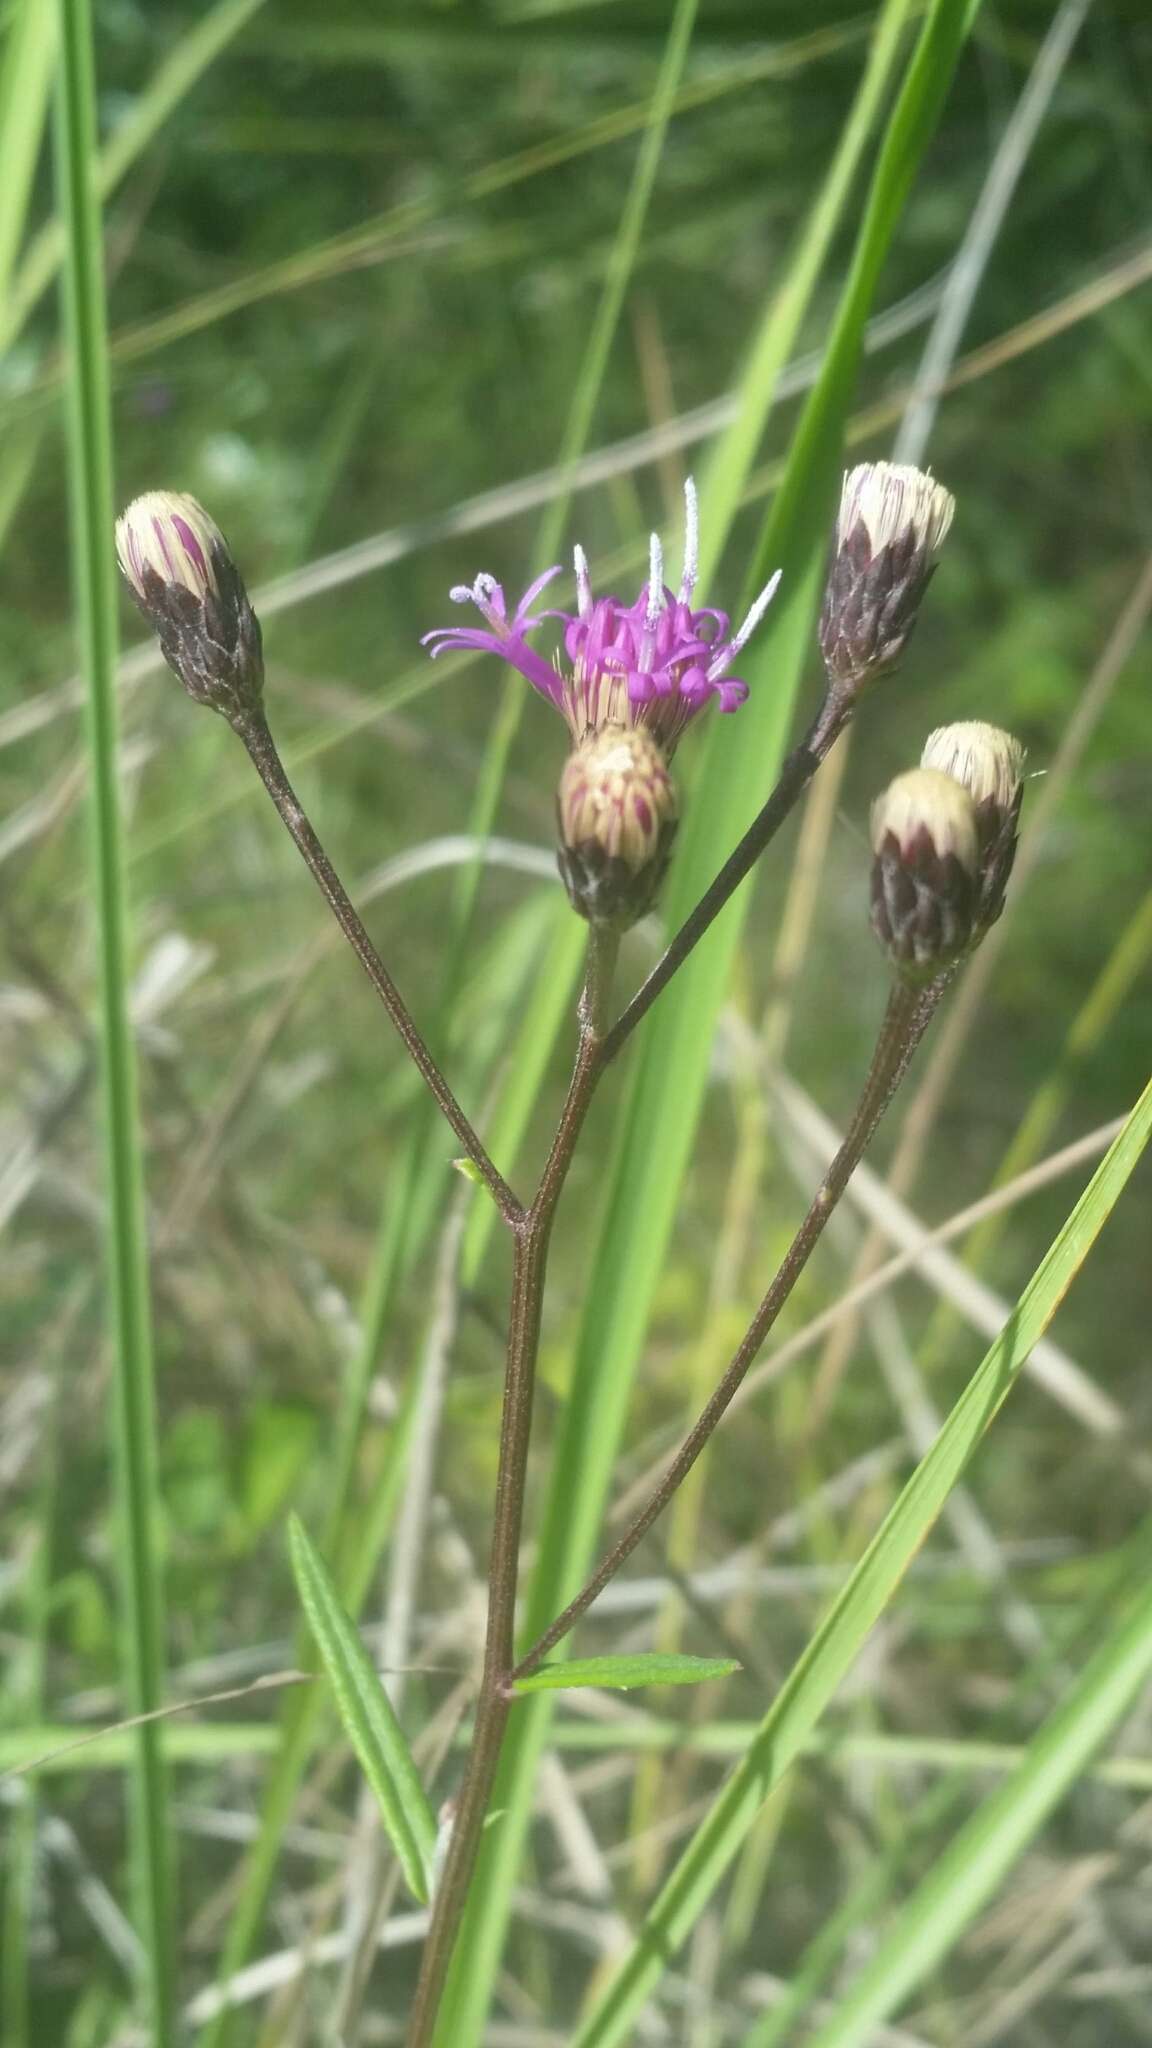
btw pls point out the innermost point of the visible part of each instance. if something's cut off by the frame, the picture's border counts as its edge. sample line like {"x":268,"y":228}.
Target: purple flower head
{"x":654,"y":663}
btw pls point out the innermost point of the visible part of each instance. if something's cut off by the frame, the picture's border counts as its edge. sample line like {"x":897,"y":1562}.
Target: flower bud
{"x":891,"y":527}
{"x":989,"y":764}
{"x":926,"y":872}
{"x":178,"y":568}
{"x":616,"y":813}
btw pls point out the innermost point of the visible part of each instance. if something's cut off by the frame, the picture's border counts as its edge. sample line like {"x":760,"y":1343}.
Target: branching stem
{"x":532,"y":1230}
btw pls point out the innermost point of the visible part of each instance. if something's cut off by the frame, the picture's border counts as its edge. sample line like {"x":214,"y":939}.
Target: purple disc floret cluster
{"x":654,"y":663}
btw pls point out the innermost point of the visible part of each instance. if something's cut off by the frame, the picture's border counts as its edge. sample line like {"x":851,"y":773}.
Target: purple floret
{"x":654,"y":663}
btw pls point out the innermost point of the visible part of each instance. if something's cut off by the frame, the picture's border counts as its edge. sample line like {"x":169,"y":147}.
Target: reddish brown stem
{"x":533,"y":1233}
{"x":253,"y":730}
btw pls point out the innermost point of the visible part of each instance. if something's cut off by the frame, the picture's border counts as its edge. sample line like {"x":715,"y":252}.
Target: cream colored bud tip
{"x":989,"y":763}
{"x":925,"y":805}
{"x":891,"y":497}
{"x":172,"y":535}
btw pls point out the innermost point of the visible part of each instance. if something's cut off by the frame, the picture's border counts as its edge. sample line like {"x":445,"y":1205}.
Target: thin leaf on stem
{"x":368,"y":1716}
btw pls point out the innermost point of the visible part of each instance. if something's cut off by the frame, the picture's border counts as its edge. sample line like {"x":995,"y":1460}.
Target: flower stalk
{"x":253,"y":729}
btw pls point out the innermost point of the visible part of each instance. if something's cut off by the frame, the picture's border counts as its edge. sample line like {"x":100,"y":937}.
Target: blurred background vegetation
{"x":353,"y":266}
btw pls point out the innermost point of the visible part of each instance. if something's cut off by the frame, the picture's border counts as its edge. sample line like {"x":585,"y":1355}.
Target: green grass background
{"x":385,"y":282}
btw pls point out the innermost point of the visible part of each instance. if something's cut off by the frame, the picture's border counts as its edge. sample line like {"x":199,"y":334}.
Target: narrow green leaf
{"x":190,"y":57}
{"x":51,"y":1749}
{"x":368,"y":1716}
{"x":128,"y":1306}
{"x":297,"y":1729}
{"x":730,"y":462}
{"x":25,"y":82}
{"x":832,"y":1650}
{"x":622,"y":1674}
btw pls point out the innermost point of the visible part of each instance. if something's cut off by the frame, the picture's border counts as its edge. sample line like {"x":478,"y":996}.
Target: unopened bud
{"x":616,"y":814}
{"x":177,"y":564}
{"x":989,"y":764}
{"x":892,"y":524}
{"x":925,"y":876}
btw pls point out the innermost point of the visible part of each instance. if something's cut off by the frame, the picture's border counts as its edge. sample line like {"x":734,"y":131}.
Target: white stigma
{"x":655,"y":579}
{"x":731,"y":650}
{"x":583,"y":582}
{"x":691,"y":541}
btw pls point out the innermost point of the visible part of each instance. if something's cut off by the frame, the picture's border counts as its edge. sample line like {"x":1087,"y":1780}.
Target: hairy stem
{"x":906,"y":1019}
{"x":533,"y":1235}
{"x":253,"y":730}
{"x":795,"y":775}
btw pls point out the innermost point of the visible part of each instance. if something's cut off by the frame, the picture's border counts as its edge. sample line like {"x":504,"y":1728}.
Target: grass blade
{"x":176,"y":77}
{"x":730,"y":464}
{"x":814,"y":1679}
{"x":979,"y":1858}
{"x":621,"y":263}
{"x":129,"y":1314}
{"x":25,"y":82}
{"x":392,"y":229}
{"x":368,"y":1716}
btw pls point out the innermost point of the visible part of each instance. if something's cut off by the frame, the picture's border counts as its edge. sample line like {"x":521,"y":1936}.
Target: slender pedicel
{"x":262,"y":751}
{"x":795,"y":775}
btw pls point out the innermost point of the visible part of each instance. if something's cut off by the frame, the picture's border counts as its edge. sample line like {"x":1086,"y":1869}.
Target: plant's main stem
{"x":532,"y":1235}
{"x":254,"y":731}
{"x":906,"y":1019}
